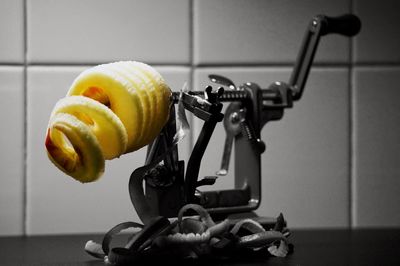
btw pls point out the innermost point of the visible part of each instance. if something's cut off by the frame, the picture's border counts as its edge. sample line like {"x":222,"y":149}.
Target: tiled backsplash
{"x":93,"y":31}
{"x":332,"y":161}
{"x":268,"y":32}
{"x":12,"y":31}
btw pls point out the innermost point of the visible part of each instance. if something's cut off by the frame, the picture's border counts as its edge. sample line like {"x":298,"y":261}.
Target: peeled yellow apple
{"x":73,"y":148}
{"x":105,"y":125}
{"x":118,"y":108}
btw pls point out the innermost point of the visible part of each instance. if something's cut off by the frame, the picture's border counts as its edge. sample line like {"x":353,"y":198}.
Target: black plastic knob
{"x":348,"y":25}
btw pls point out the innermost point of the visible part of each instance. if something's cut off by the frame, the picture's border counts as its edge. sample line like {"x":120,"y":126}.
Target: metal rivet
{"x":234,"y":117}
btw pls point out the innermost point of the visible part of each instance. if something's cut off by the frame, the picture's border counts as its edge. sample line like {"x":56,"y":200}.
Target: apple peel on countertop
{"x":109,"y":110}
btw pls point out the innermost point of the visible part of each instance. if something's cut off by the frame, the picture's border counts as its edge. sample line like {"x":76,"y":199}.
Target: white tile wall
{"x":11,"y":31}
{"x":97,"y":31}
{"x":379,"y":40}
{"x":261,"y":32}
{"x":12,"y":150}
{"x":93,"y":207}
{"x":308,"y":173}
{"x":377,"y":149}
{"x":305,"y":167}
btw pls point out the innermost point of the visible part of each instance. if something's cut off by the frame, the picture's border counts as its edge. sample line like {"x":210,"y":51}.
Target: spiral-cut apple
{"x":74,"y":149}
{"x":109,"y":110}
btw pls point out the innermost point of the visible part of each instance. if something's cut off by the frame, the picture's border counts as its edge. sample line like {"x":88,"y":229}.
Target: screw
{"x":235,"y":117}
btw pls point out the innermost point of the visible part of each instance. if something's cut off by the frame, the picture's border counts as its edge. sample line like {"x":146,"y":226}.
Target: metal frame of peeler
{"x":168,"y":186}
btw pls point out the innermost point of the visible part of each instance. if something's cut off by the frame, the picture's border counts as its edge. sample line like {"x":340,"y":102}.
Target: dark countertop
{"x":311,"y":247}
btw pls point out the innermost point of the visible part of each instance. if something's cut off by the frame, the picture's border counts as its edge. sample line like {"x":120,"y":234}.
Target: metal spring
{"x":228,"y":96}
{"x":231,"y":95}
{"x":247,"y":131}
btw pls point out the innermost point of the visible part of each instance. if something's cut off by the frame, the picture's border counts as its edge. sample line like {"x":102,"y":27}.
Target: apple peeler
{"x":169,"y":186}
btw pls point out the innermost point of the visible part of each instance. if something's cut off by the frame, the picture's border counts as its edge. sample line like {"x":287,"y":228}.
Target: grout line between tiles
{"x":276,"y":64}
{"x":352,"y":131}
{"x":191,"y":33}
{"x":353,"y":170}
{"x":90,"y":64}
{"x":192,"y":66}
{"x":227,"y":65}
{"x":25,"y":127}
{"x":11,"y":64}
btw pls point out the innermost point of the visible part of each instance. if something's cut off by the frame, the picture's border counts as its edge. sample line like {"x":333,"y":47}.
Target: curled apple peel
{"x":110,"y":110}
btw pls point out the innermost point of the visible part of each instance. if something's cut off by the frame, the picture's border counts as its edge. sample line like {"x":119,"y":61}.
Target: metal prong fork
{"x":222,"y":81}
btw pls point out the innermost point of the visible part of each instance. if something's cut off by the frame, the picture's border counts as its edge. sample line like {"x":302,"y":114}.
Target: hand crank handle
{"x":348,"y":25}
